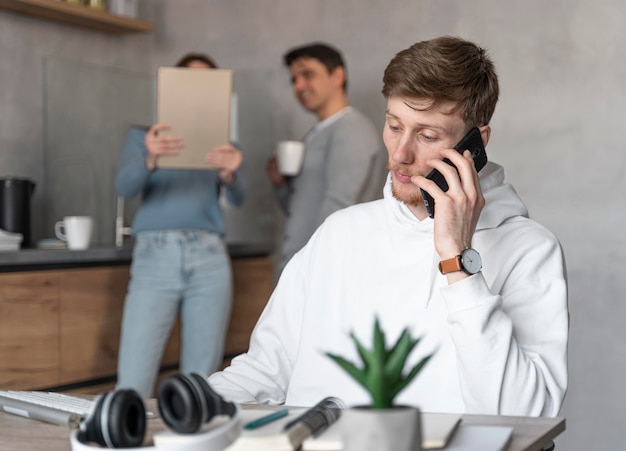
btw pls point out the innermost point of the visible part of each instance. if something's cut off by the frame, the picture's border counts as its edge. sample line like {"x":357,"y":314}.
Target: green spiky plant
{"x":382,"y":371}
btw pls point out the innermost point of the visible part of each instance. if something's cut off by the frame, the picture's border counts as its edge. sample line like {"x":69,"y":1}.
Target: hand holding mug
{"x":290,"y":156}
{"x":273,"y":173}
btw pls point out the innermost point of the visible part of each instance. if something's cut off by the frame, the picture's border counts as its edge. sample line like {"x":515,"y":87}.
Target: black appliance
{"x":15,"y":195}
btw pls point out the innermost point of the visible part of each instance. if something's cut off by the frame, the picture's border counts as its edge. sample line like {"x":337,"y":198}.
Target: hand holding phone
{"x":473,"y":142}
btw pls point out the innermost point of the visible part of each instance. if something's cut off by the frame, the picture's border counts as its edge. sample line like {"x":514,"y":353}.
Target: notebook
{"x":437,"y":429}
{"x":473,"y":437}
{"x":196,"y":104}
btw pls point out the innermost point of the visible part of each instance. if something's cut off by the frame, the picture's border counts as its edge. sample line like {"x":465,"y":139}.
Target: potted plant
{"x":391,"y":427}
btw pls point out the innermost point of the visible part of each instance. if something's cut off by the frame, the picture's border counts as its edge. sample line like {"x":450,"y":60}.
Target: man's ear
{"x":485,"y":134}
{"x":338,"y":74}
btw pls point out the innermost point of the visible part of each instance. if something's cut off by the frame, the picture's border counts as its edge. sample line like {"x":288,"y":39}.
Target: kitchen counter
{"x":38,"y":259}
{"x":62,"y":311}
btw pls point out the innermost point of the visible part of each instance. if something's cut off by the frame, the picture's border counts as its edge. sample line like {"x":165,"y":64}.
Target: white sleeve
{"x":512,"y":346}
{"x":262,"y":374}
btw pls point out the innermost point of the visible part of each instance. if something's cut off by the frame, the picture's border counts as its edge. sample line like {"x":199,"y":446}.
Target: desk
{"x":19,"y":434}
{"x":529,"y":433}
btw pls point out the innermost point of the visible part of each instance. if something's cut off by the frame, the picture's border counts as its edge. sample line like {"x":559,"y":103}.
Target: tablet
{"x":196,"y":104}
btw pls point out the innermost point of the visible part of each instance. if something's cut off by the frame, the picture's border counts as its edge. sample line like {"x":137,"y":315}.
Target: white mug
{"x":76,"y":230}
{"x":290,"y":155}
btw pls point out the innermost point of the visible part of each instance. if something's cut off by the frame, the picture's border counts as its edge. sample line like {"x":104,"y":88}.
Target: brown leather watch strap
{"x":450,"y":265}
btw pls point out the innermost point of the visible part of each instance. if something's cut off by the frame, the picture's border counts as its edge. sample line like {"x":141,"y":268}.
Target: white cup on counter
{"x":75,"y":230}
{"x":290,"y":155}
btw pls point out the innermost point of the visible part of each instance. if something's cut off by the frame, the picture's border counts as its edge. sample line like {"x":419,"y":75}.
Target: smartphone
{"x":472,"y":142}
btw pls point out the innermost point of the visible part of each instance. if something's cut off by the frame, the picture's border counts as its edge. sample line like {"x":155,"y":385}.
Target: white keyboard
{"x":55,"y":408}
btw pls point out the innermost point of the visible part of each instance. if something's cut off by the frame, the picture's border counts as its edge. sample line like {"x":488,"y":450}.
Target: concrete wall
{"x":30,"y":51}
{"x":557,"y":130}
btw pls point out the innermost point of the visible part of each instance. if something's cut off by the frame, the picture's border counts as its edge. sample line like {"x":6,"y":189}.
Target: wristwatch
{"x":468,"y":261}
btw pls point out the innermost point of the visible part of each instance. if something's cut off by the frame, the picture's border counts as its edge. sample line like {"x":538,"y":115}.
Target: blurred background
{"x":68,"y":96}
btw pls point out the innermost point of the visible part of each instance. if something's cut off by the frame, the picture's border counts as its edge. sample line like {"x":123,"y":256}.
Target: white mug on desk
{"x":75,"y":230}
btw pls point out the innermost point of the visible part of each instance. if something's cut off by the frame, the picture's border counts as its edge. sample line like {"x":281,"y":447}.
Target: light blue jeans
{"x":172,"y":272}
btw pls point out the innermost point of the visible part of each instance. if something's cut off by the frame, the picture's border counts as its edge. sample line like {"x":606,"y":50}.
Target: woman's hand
{"x":159,"y":144}
{"x":227,"y":159}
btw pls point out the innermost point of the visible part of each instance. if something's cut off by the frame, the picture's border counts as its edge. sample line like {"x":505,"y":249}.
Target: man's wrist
{"x":468,"y":261}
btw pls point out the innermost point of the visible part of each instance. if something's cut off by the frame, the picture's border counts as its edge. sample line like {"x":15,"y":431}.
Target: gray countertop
{"x":38,"y":259}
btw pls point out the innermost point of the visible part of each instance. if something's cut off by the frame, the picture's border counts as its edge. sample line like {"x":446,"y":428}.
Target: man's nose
{"x":298,"y":84}
{"x":404,"y":152}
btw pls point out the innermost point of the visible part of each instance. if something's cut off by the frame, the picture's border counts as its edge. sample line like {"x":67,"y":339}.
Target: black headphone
{"x":118,"y":420}
{"x":185,"y":402}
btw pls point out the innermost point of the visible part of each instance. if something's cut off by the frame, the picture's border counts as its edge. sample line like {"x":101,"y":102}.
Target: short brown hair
{"x":326,"y":54}
{"x":446,"y":69}
{"x":189,"y":57}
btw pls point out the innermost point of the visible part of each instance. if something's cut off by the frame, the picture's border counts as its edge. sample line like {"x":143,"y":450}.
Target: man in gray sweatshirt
{"x":344,"y":160}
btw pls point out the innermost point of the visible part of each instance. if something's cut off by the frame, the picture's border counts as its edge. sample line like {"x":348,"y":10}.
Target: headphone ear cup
{"x":181,"y":404}
{"x":118,"y":420}
{"x":215,"y":404}
{"x":127,"y":419}
{"x":188,"y":401}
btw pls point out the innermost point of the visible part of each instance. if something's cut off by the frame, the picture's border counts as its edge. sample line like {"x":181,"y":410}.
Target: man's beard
{"x":412,"y":200}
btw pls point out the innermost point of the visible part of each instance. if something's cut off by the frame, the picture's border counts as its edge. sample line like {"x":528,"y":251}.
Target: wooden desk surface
{"x":20,"y":434}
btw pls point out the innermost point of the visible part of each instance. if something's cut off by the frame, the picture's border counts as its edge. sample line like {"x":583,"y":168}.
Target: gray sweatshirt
{"x":344,"y":164}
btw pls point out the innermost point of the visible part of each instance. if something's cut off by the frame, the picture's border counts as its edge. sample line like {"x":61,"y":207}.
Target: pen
{"x":267,"y":419}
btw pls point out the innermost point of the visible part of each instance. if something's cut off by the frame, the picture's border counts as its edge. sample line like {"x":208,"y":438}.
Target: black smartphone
{"x":472,"y":142}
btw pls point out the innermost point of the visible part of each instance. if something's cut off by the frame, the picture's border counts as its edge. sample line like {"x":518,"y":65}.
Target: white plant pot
{"x":395,"y":429}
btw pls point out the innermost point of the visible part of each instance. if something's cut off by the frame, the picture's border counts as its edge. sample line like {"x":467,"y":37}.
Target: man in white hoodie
{"x":499,"y":333}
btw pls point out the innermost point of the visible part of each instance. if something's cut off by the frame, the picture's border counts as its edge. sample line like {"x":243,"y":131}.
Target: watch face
{"x":470,"y":259}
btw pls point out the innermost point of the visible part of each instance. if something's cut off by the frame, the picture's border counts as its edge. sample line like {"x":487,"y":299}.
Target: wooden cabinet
{"x":90,"y":314}
{"x":29,"y":330}
{"x":253,"y":285}
{"x":91,"y":305}
{"x":77,"y":15}
{"x":62,"y":327}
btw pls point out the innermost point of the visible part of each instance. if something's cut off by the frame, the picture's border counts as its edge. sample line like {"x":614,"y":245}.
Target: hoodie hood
{"x":501,"y":202}
{"x":501,"y":199}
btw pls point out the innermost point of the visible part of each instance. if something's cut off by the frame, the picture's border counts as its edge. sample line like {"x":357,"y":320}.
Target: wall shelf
{"x":77,"y":15}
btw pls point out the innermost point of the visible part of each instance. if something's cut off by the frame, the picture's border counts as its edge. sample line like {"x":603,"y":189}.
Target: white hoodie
{"x":499,"y":337}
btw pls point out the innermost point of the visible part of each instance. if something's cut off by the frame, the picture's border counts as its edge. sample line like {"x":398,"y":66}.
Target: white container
{"x":126,"y":8}
{"x":395,"y":429}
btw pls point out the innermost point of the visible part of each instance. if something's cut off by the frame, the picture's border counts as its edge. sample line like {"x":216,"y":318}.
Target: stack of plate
{"x":10,"y":241}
